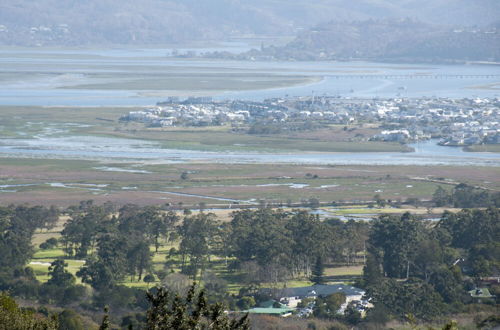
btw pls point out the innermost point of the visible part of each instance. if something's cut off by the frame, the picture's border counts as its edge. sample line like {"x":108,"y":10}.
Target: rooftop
{"x":317,"y":290}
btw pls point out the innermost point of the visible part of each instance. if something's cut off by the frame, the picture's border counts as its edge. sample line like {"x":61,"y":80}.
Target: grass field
{"x":64,"y":181}
{"x":483,"y":148}
{"x":67,"y":182}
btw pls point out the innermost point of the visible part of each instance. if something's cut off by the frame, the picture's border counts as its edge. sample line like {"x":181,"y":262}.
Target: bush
{"x":70,"y":320}
{"x":49,"y":244}
{"x":149,"y":278}
{"x":245,"y":303}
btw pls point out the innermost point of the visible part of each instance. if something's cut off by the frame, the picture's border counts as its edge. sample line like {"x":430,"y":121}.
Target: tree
{"x":379,"y":200}
{"x":133,"y":321}
{"x":149,"y":278}
{"x":467,"y":196}
{"x":245,"y":303}
{"x":441,"y":197}
{"x":449,"y":284}
{"x":353,"y":237}
{"x":403,"y":246}
{"x":476,"y":232}
{"x":394,"y":241}
{"x":58,"y":275}
{"x":262,"y":236}
{"x":215,"y":288}
{"x":352,"y":315}
{"x":310,"y":238}
{"x":328,"y":307}
{"x":314,"y":203}
{"x":17,"y":226}
{"x":49,"y":217}
{"x":97,"y":274}
{"x":221,"y":241}
{"x":428,"y":258}
{"x":413,"y":297}
{"x":372,"y":271}
{"x":108,"y":266}
{"x":176,"y":282}
{"x":196,"y":233}
{"x":139,"y":258}
{"x":79,"y":235}
{"x":318,"y":271}
{"x":160,"y":225}
{"x":169,"y":311}
{"x":49,"y":244}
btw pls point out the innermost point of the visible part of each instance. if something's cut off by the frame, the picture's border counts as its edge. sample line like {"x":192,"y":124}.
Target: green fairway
{"x":42,"y":259}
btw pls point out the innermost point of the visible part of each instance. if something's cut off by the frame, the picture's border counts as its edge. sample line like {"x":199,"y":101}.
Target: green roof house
{"x":481,"y":294}
{"x":271,"y":307}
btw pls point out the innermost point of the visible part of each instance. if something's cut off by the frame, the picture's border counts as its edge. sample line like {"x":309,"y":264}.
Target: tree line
{"x":466,"y":196}
{"x":410,"y":266}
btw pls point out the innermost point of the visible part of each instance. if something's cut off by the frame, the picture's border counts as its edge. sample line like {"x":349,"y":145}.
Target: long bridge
{"x":415,"y":76}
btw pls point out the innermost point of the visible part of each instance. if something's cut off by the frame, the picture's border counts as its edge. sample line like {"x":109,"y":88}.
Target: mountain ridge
{"x":73,"y":22}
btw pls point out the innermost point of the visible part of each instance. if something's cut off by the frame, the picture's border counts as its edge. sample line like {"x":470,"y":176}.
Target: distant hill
{"x":77,"y":22}
{"x":394,"y":40}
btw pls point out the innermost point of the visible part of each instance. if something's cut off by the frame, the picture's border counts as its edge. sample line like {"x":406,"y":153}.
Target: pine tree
{"x":318,"y":271}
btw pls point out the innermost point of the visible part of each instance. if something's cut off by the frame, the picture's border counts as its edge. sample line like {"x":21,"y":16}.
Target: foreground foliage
{"x":170,"y":311}
{"x":14,"y":318}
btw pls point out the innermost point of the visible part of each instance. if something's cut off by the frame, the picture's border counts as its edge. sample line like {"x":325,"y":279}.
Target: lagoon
{"x":82,"y":77}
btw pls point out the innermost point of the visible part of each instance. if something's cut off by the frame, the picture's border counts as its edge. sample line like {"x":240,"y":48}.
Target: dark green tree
{"x":245,"y":303}
{"x":448,"y":282}
{"x":318,"y":271}
{"x":372,"y":273}
{"x":379,"y":200}
{"x":352,"y":315}
{"x":80,"y":233}
{"x":412,"y":297}
{"x":139,"y":259}
{"x":394,"y":241}
{"x":108,"y":266}
{"x":309,"y":238}
{"x":196,"y":235}
{"x":441,"y":197}
{"x":58,"y":275}
{"x":328,"y":307}
{"x":17,"y":226}
{"x":159,"y":226}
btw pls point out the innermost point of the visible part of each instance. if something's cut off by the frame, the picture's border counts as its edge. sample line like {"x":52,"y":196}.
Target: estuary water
{"x":128,"y":150}
{"x":45,"y":77}
{"x":33,"y":77}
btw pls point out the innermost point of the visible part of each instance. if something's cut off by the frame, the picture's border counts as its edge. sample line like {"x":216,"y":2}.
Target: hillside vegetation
{"x":72,"y":22}
{"x":402,"y":39}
